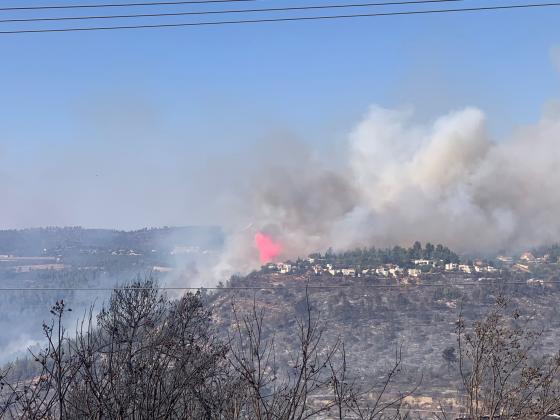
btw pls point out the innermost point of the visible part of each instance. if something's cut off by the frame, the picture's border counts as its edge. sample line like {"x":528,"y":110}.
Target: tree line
{"x":371,"y":257}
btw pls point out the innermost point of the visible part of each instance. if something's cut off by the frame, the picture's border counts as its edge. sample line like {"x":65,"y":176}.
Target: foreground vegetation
{"x":146,"y":356}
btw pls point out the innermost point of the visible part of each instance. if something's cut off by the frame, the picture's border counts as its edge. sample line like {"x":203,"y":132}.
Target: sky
{"x":126,"y":129}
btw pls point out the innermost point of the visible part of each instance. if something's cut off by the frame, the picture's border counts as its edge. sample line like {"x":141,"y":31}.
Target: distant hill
{"x":61,"y":240}
{"x":76,"y":257}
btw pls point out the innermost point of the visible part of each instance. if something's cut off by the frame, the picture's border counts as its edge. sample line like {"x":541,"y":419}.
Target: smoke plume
{"x":398,"y":181}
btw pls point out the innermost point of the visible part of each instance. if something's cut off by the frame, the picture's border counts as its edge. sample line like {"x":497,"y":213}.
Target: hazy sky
{"x":155,"y":127}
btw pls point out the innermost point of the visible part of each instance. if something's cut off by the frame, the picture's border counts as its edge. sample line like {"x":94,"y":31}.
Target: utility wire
{"x":95,"y":6}
{"x":289,"y":287}
{"x":216,"y":12}
{"x":287,"y":19}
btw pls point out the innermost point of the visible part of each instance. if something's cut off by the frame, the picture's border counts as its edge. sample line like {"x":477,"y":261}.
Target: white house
{"x":527,"y":256}
{"x":348,"y":272}
{"x":504,"y":259}
{"x":382,"y":271}
{"x":424,"y":262}
{"x":465,"y":268}
{"x":395,"y":271}
{"x":535,"y":282}
{"x":284,"y":268}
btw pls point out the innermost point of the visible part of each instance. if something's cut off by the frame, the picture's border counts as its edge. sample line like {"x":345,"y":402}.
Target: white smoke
{"x":444,"y":182}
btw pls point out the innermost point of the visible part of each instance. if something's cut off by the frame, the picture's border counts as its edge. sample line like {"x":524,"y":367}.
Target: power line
{"x":94,"y":6}
{"x":216,"y":12}
{"x":288,"y":287}
{"x":287,"y":19}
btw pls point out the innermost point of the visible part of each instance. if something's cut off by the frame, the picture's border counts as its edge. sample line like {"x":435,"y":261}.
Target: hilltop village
{"x":417,"y":263}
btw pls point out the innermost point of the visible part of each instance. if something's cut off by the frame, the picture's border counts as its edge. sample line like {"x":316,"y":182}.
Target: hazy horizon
{"x":344,"y":138}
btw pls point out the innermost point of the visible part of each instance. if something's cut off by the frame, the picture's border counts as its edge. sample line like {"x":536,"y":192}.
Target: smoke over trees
{"x":397,"y":181}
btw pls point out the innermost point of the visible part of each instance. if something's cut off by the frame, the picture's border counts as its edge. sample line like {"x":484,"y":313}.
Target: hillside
{"x":374,"y":316}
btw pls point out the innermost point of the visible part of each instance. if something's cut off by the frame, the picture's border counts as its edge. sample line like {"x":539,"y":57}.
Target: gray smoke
{"x":398,"y":181}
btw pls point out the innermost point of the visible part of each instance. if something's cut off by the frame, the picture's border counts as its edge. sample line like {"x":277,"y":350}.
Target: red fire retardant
{"x":268,"y":249}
